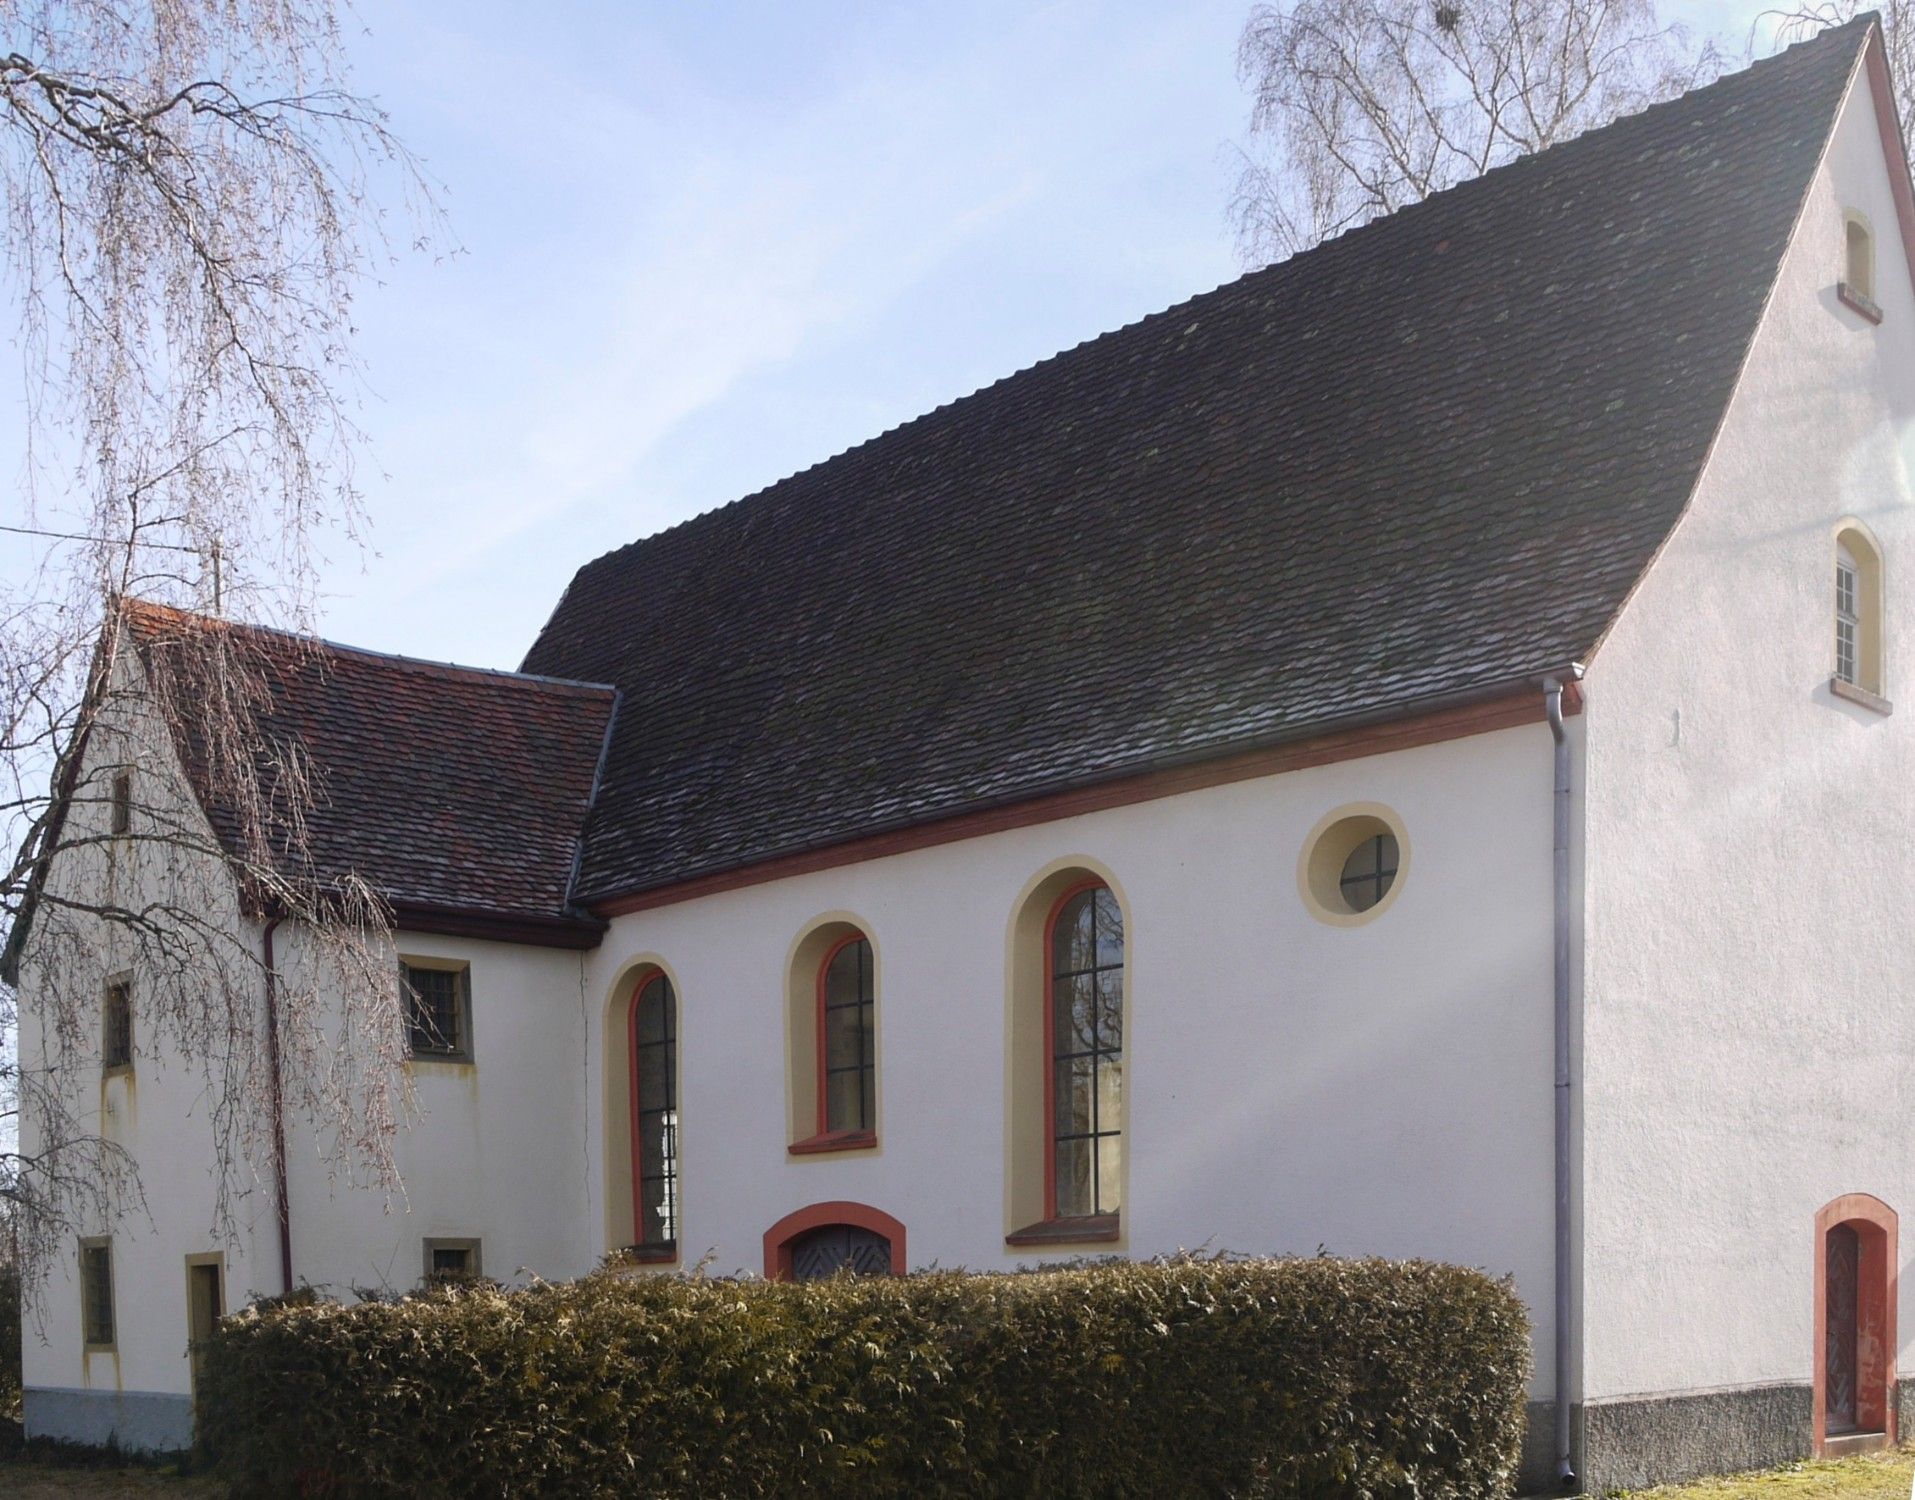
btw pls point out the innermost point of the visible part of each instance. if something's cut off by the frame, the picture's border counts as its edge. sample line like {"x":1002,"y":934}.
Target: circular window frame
{"x":1327,"y":849}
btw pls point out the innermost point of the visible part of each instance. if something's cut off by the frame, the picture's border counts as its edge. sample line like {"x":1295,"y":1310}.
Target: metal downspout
{"x":279,"y":1114}
{"x":1553,"y":699}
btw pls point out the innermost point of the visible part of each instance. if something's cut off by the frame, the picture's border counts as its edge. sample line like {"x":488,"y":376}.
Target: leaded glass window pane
{"x":655,"y":1044}
{"x":848,"y":1021}
{"x":1087,"y":1038}
{"x":1369,"y":872}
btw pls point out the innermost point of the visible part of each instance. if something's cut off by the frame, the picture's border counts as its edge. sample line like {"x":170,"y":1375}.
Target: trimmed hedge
{"x":1280,"y":1378}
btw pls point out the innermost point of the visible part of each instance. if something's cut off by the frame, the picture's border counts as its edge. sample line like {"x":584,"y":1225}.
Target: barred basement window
{"x":116,"y":1039}
{"x":451,"y":1260}
{"x":438,"y":1001}
{"x":96,"y":1293}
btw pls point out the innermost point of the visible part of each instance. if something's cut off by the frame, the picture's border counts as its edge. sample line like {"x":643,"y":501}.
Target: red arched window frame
{"x":1105,"y":1224}
{"x":657,"y":1250}
{"x":794,"y":1226}
{"x":827,"y":1139}
{"x":1875,"y":1225}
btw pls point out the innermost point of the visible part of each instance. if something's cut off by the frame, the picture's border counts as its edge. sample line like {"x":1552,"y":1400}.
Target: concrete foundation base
{"x":133,"y":1421}
{"x":1632,"y":1443}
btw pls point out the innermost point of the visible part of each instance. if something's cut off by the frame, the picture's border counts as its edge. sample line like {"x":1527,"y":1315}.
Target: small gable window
{"x":1858,"y":618}
{"x":438,"y":1001}
{"x":1857,"y":287}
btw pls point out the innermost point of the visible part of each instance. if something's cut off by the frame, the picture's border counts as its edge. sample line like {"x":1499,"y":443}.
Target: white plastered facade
{"x":1292,"y":1083}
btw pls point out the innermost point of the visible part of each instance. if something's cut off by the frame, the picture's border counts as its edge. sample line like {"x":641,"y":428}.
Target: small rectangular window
{"x":96,"y":1292}
{"x":451,"y":1260}
{"x":438,"y":1010}
{"x":116,"y":1040}
{"x":122,"y":803}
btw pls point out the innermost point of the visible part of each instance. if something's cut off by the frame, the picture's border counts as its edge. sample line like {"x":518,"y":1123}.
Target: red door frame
{"x":778,"y":1238}
{"x":1874,"y":1223}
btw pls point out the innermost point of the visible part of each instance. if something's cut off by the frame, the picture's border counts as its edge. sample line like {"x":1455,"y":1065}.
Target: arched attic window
{"x":1858,"y":612}
{"x":1857,"y":286}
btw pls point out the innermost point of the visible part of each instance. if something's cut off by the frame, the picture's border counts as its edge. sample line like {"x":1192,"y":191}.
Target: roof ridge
{"x":340,"y":648}
{"x":1861,"y":21}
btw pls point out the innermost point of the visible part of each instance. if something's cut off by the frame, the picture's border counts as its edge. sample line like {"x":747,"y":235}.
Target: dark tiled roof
{"x":1430,"y":457}
{"x":448,"y":789}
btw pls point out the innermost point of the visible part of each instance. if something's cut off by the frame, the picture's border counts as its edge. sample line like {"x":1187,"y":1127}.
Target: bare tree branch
{"x":191,"y":196}
{"x":1360,"y":107}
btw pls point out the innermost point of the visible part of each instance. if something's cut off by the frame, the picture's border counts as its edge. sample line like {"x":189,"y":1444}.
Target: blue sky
{"x":706,"y":245}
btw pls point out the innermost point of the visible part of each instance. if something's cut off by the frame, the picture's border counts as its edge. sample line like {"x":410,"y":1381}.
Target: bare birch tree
{"x":1360,"y":107}
{"x":1797,"y":23}
{"x":191,"y":196}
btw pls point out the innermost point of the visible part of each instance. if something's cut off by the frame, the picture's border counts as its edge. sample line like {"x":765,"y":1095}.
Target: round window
{"x":1353,"y":864}
{"x":1369,"y":872}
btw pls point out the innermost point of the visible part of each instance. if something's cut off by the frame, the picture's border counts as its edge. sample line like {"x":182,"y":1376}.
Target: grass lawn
{"x":29,"y":1481}
{"x":1882,"y":1477}
{"x":1877,"y":1477}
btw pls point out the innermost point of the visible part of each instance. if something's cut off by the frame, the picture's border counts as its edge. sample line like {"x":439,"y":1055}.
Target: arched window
{"x":832,"y":1091}
{"x":1084,"y":1033}
{"x":1858,"y":611}
{"x":1067,"y":1010}
{"x":847,"y":1039}
{"x":654,"y":1096}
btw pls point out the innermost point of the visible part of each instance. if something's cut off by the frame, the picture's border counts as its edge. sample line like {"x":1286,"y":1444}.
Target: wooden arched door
{"x":824,"y":1238}
{"x":832,"y":1248}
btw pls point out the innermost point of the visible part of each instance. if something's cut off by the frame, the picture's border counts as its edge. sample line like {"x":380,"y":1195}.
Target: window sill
{"x":439,"y":1059}
{"x":1850,"y":693}
{"x":651,"y":1255}
{"x":1091,"y":1229}
{"x":1857,"y":302}
{"x":836,"y":1140}
{"x":117,"y":1070}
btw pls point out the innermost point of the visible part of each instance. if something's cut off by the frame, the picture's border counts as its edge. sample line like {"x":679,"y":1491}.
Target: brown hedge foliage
{"x":1279,"y":1378}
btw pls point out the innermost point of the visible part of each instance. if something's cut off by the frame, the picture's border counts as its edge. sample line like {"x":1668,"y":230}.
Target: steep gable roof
{"x":1427,"y":459}
{"x":457,"y":793}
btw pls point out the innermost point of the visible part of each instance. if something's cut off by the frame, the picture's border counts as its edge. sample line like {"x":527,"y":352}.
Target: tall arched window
{"x":1084,"y":1032}
{"x":654,"y":1034}
{"x":1858,"y":611}
{"x":847,"y":1039}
